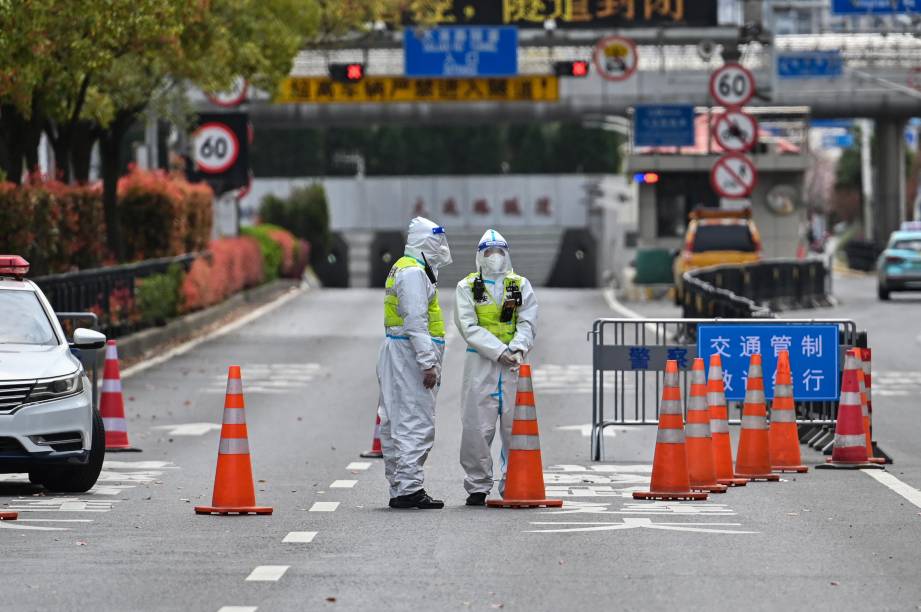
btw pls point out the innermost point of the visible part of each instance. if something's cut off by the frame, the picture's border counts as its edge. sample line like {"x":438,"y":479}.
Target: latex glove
{"x":429,"y":378}
{"x":518,"y":356}
{"x":507,"y":359}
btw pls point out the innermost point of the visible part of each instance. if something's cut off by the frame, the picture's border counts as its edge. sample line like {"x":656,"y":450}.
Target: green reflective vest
{"x":391,"y":302}
{"x":489,"y":313}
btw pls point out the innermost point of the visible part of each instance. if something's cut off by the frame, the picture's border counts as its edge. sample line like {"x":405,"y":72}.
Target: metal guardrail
{"x":100,"y":289}
{"x":621,"y":396}
{"x":755,"y":290}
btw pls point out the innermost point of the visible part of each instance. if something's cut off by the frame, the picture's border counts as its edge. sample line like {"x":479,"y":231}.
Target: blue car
{"x":899,"y":265}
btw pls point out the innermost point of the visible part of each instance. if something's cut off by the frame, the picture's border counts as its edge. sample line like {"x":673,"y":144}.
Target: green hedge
{"x":270,"y":249}
{"x":158,"y":295}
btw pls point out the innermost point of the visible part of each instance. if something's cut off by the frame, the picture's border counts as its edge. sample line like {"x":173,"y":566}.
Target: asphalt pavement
{"x":822,"y":540}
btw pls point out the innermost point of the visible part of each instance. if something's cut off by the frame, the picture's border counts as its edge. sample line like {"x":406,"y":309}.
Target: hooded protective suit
{"x":414,"y":343}
{"x":488,"y":394}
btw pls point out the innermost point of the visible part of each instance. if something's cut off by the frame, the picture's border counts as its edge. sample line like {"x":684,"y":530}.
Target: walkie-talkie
{"x":429,"y":272}
{"x":512,"y":301}
{"x":479,"y":287}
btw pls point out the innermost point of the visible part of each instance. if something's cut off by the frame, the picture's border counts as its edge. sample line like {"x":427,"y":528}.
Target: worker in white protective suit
{"x":409,"y":365}
{"x":496,"y":313}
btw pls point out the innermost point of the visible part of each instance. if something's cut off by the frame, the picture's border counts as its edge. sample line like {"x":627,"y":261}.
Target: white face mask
{"x":494,"y":264}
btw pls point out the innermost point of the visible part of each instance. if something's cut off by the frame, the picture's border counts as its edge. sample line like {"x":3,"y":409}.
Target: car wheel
{"x":882,"y":292}
{"x":81,"y":478}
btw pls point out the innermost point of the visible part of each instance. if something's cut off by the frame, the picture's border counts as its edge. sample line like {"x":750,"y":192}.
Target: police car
{"x":48,"y":424}
{"x":899,"y":265}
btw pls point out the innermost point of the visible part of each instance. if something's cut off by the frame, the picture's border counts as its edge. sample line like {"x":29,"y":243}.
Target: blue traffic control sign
{"x":874,"y":7}
{"x":463,"y":51}
{"x":670,"y":125}
{"x":810,"y":65}
{"x":813,"y":352}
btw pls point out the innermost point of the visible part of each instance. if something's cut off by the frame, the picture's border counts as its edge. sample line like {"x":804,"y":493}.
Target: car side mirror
{"x":88,"y":339}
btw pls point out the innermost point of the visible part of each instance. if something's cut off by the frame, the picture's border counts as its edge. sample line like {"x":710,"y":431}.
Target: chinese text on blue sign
{"x":669,"y":125}
{"x":813,"y":356}
{"x":810,"y":65}
{"x":874,"y":7}
{"x":461,"y":51}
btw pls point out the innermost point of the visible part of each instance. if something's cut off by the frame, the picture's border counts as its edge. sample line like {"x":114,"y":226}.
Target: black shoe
{"x":420,"y":499}
{"x":476,"y":499}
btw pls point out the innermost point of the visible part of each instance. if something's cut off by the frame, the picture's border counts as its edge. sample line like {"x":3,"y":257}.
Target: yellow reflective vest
{"x":489,"y":313}
{"x":392,"y":316}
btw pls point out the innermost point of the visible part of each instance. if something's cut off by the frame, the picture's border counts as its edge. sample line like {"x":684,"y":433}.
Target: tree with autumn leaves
{"x":84,"y":71}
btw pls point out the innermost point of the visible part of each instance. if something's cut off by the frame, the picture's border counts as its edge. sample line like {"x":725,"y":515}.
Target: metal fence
{"x":106,"y":291}
{"x":624,"y":396}
{"x":754,"y":290}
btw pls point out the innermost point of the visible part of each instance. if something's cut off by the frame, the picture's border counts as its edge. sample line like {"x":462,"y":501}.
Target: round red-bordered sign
{"x":235,"y":96}
{"x":215,"y":148}
{"x":735,"y":131}
{"x":615,"y":58}
{"x":732,"y":85}
{"x":733,"y":176}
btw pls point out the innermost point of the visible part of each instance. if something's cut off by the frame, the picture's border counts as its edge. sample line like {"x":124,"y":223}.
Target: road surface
{"x":826,"y":540}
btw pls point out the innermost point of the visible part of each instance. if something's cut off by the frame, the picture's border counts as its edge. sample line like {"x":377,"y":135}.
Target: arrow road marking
{"x":639,"y":523}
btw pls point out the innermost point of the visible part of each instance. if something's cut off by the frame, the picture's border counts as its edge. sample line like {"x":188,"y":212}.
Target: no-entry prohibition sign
{"x":733,"y":176}
{"x":615,"y":58}
{"x":735,"y":131}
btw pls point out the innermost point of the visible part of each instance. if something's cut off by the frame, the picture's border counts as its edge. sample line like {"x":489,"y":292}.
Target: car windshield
{"x":718,"y":237}
{"x":24,"y":320}
{"x":908,"y":245}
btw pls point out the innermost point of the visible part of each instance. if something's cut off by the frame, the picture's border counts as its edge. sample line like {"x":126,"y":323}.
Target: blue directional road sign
{"x":874,"y":7}
{"x":669,"y":125}
{"x":463,"y":51}
{"x":813,"y":356}
{"x":810,"y":65}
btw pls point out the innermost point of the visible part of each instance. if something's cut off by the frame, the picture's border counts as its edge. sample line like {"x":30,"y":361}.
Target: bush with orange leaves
{"x":162,"y":214}
{"x":232,"y":264}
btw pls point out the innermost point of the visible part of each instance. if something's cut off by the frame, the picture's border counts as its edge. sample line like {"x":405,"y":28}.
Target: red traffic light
{"x":577,"y":69}
{"x":347,"y":73}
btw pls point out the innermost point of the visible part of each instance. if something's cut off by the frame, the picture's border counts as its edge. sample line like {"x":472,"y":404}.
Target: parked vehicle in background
{"x":716,"y":237}
{"x":49,"y":426}
{"x":899,"y":265}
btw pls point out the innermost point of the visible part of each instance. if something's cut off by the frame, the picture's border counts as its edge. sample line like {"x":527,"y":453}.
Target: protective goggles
{"x":488,"y":244}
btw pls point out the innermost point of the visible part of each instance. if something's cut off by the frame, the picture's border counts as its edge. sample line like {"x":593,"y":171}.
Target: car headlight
{"x":54,"y":388}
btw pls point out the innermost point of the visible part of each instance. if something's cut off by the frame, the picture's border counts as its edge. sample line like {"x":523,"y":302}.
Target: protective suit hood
{"x":425,"y":236}
{"x":493,"y":239}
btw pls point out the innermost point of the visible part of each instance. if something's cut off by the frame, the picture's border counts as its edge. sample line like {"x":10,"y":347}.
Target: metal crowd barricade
{"x":622,"y":395}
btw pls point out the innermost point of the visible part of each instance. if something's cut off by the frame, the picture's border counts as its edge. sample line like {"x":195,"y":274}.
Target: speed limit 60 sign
{"x":732,"y":85}
{"x":218,"y":151}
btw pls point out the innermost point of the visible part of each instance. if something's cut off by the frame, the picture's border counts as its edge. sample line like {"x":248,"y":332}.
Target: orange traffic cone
{"x":701,"y":470}
{"x":866,"y":398}
{"x":9,"y":516}
{"x":375,"y":452}
{"x":670,"y":480}
{"x":850,"y":450}
{"x":112,"y":404}
{"x":233,"y":482}
{"x":524,"y":482}
{"x":719,"y":426}
{"x":785,"y":455}
{"x":753,"y":458}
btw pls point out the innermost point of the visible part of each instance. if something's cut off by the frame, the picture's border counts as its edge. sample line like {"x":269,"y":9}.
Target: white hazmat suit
{"x":407,"y":408}
{"x":489,"y":388}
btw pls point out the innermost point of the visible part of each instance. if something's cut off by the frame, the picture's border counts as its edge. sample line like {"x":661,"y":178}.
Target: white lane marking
{"x":587,"y":430}
{"x":343,"y":484}
{"x":61,"y":504}
{"x":267,"y":573}
{"x":15,"y":525}
{"x":300,"y":537}
{"x":324,"y":507}
{"x":138,"y":465}
{"x":189,"y":429}
{"x":885,"y":478}
{"x":235,"y":325}
{"x":358,"y":465}
{"x":238,"y":609}
{"x":615,"y":305}
{"x":636,"y":523}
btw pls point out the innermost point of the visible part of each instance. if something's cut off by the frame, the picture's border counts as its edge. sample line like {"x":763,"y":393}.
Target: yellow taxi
{"x":715,"y":237}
